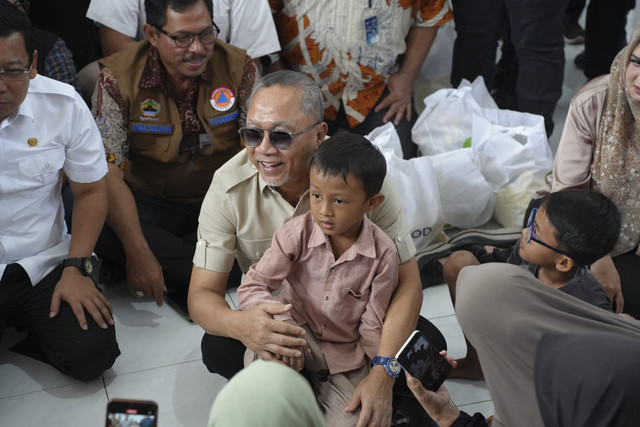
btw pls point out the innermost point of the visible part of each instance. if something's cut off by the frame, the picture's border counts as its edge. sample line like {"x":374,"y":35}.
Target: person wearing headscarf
{"x":266,"y":394}
{"x":600,"y":149}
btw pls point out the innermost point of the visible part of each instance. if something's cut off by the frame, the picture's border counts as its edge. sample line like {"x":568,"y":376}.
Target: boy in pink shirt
{"x":339,"y":272}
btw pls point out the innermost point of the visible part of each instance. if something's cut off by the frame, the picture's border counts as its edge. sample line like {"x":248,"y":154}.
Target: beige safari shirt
{"x":240,"y":213}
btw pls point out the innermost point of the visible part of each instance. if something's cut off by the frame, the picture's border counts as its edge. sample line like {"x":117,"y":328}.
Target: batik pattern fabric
{"x":328,"y":41}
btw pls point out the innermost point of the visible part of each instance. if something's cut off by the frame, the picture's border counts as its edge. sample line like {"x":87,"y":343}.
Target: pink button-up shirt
{"x":342,"y":301}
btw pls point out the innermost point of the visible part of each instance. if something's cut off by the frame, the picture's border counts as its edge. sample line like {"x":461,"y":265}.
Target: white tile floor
{"x":161,"y":357}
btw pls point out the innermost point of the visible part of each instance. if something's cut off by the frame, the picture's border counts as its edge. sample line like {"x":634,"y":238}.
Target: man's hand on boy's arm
{"x":375,"y":395}
{"x":605,"y":271}
{"x":267,"y":337}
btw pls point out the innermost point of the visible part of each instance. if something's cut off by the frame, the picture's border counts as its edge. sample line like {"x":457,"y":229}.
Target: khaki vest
{"x":155,"y":131}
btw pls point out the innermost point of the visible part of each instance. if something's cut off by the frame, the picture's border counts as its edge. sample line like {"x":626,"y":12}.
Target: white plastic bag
{"x":513,"y":198}
{"x":416,"y":183}
{"x":512,"y":151}
{"x":445,"y":123}
{"x":467,"y":198}
{"x":506,"y":143}
{"x":438,"y":61}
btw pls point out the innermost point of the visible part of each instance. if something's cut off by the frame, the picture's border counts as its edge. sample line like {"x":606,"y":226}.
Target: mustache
{"x":193,"y":58}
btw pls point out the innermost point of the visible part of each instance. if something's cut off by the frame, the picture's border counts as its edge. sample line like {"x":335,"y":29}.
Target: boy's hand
{"x":295,"y":362}
{"x":605,"y":271}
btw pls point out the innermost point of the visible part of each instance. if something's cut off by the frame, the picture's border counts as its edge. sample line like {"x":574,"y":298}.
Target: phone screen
{"x":424,"y":362}
{"x":131,"y":413}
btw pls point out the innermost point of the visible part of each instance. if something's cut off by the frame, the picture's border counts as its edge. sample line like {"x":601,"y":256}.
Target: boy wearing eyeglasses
{"x":339,"y":271}
{"x":569,"y":231}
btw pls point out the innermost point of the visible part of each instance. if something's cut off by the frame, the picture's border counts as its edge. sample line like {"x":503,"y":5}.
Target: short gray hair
{"x":311,"y":101}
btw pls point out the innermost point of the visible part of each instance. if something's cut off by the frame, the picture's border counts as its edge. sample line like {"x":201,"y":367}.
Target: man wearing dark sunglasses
{"x":168,"y":110}
{"x":250,"y":197}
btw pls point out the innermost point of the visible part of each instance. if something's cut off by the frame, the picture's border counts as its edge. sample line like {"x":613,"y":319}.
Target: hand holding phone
{"x":125,"y":413}
{"x":423,"y":361}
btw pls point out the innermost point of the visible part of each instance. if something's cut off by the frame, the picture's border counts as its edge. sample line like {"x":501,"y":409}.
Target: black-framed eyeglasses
{"x":531,"y":232}
{"x":280,"y":139}
{"x":15,"y":73}
{"x":206,"y":36}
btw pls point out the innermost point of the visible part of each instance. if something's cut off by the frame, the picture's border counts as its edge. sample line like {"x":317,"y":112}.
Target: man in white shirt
{"x":246,"y":24}
{"x":46,"y":286}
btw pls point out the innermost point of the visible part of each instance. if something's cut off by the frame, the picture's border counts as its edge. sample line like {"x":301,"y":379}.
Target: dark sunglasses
{"x":531,"y":232}
{"x":280,"y":139}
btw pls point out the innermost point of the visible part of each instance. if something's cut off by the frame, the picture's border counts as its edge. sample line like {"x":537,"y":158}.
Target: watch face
{"x":88,"y":266}
{"x":394,"y":366}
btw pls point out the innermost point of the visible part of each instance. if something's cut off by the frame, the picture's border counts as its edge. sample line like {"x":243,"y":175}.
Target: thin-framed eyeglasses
{"x":531,"y":233}
{"x":280,"y":139}
{"x":13,"y":74}
{"x":206,"y":36}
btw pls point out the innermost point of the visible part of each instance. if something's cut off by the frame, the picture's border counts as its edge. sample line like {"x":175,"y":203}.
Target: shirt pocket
{"x":250,"y":251}
{"x":43,"y":167}
{"x":354,"y":301}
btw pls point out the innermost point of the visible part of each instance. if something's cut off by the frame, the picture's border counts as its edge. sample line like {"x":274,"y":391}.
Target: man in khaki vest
{"x":168,"y":110}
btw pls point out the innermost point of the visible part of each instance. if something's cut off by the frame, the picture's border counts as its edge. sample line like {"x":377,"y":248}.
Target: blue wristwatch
{"x":390,"y":364}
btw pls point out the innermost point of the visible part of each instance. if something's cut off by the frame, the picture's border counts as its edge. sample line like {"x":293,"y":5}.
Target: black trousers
{"x":59,"y":341}
{"x":170,"y":230}
{"x":374,"y":120}
{"x":605,"y":34}
{"x":628,"y":266}
{"x":536,"y":34}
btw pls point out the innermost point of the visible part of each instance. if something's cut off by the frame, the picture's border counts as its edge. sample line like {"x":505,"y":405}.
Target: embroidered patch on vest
{"x":223,"y":119}
{"x":222,"y":98}
{"x":150,"y":108}
{"x":159,"y":129}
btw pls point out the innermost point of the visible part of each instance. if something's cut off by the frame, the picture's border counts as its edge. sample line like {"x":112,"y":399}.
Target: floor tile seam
{"x":444,"y":316}
{"x":105,"y":376}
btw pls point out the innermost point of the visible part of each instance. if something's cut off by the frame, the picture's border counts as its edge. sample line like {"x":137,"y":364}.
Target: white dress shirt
{"x":52,"y":130}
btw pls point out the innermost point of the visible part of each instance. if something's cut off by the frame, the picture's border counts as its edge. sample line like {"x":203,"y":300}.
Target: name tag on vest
{"x":223,"y":119}
{"x":157,"y":129}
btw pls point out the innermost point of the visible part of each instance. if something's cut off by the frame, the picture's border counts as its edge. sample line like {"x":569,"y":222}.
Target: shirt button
{"x":258,"y":255}
{"x":333,"y":269}
{"x":399,"y":238}
{"x":326,"y":298}
{"x":200,"y":242}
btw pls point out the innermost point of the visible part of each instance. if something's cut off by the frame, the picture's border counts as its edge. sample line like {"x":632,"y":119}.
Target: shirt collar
{"x":154,"y":74}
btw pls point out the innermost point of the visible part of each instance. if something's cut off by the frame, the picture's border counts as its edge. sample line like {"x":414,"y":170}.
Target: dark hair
{"x":587,"y":223}
{"x":13,"y":20}
{"x":311,"y":101}
{"x":350,"y":154}
{"x":156,"y":10}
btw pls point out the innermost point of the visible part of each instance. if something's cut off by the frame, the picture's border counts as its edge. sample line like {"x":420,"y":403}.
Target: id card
{"x":371,"y":29}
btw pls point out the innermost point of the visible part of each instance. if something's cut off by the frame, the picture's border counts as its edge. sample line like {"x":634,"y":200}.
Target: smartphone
{"x":122,"y":412}
{"x":423,"y":361}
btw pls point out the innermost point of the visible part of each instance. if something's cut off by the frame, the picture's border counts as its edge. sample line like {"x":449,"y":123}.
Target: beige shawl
{"x":615,"y":169}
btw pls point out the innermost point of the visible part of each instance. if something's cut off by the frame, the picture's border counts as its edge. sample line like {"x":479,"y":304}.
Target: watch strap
{"x":85,"y":265}
{"x":390,"y":365}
